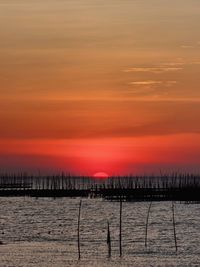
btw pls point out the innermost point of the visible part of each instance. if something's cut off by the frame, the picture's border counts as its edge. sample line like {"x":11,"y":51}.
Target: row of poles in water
{"x":120,"y":230}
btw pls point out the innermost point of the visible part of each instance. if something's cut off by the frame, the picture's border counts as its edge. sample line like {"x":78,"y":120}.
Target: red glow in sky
{"x":101,"y":92}
{"x":113,"y":155}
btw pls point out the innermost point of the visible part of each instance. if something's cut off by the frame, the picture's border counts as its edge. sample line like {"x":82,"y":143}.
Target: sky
{"x":100,"y":86}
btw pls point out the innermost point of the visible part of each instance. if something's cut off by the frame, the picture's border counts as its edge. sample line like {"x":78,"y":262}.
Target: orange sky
{"x":90,"y":86}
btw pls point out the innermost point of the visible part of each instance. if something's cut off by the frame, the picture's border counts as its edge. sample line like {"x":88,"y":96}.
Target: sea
{"x":43,"y":233}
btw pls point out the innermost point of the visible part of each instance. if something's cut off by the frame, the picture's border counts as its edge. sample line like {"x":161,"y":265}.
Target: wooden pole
{"x":174,"y":227}
{"x":120,"y":228}
{"x":147,"y":222}
{"x":78,"y":232}
{"x":109,"y":241}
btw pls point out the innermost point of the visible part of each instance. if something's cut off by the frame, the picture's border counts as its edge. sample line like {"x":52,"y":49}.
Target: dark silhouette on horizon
{"x":177,"y":187}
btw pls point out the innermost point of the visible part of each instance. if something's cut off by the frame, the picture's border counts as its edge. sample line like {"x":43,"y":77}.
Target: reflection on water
{"x":43,"y":232}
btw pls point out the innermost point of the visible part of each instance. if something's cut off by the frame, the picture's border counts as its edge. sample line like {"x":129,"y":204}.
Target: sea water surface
{"x":43,"y":232}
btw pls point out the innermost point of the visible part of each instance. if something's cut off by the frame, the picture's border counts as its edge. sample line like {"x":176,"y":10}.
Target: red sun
{"x":101,"y":175}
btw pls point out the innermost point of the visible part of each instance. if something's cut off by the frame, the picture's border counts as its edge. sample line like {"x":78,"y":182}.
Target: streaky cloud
{"x":152,"y":83}
{"x":153,"y":69}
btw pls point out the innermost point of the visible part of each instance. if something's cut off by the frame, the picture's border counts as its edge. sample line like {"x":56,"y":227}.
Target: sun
{"x":101,"y":175}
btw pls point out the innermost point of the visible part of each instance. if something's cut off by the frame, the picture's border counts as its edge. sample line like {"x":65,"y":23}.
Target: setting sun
{"x":101,"y":175}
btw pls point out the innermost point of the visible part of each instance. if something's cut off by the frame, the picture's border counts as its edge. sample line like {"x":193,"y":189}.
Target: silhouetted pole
{"x":174,"y":227}
{"x":109,"y":241}
{"x":79,"y":217}
{"x":120,"y":228}
{"x":147,"y":222}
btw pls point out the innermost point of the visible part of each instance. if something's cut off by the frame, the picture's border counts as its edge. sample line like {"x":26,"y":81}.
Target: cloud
{"x":175,"y":63}
{"x":165,"y":67}
{"x":169,"y":83}
{"x":195,"y":63}
{"x":152,"y":83}
{"x":154,"y":69}
{"x":145,"y":82}
{"x":195,"y":45}
{"x":187,"y":46}
{"x":183,"y":64}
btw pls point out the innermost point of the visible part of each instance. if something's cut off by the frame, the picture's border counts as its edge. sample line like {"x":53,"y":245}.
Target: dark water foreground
{"x":43,"y":232}
{"x":147,"y":194}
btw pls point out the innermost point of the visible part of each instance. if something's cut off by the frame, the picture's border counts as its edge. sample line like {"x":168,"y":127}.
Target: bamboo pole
{"x":120,"y":228}
{"x":109,"y":241}
{"x":147,"y":222}
{"x":78,"y":230}
{"x":174,"y":227}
